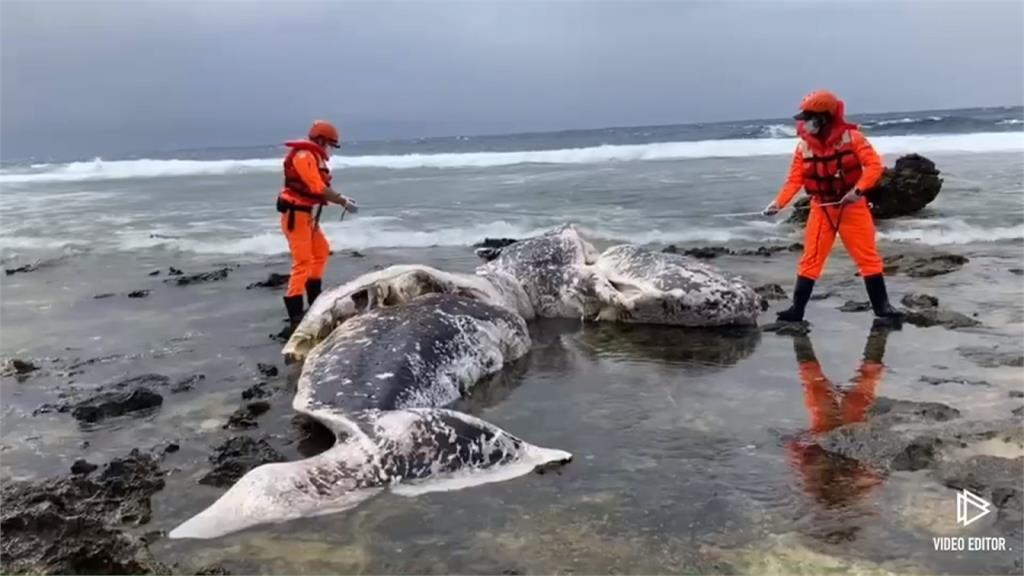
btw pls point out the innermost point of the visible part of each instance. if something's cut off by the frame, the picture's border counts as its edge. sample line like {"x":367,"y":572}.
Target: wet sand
{"x":683,"y":439}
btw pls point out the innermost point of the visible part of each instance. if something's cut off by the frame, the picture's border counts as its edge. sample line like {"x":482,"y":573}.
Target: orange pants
{"x":856,"y":228}
{"x":309,"y":250}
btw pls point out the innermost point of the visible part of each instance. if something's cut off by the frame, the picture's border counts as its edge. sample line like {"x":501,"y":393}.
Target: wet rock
{"x":925,"y":266}
{"x":788,"y":328}
{"x":995,"y":479}
{"x":915,"y":300}
{"x":823,"y":295}
{"x":71,"y":525}
{"x":19,"y":367}
{"x":762,"y":251}
{"x":82,"y":467}
{"x":152,"y":380}
{"x":936,"y":381}
{"x":670,"y":249}
{"x":879,"y":446}
{"x":906,"y":188}
{"x":104,"y":295}
{"x":928,"y":317}
{"x":357,"y":254}
{"x":171,"y":448}
{"x":236,"y":456}
{"x":154,"y":273}
{"x":172,"y":271}
{"x":772,"y":292}
{"x":245,"y":417}
{"x":1018,"y":411}
{"x":918,"y":454}
{"x":138,"y":294}
{"x":1016,"y":394}
{"x":769,"y":292}
{"x":992,"y":357}
{"x":906,"y":410}
{"x":22,"y":269}
{"x":267,"y":370}
{"x":854,"y":306}
{"x":258,"y":390}
{"x":923,"y":311}
{"x":186,"y":384}
{"x":112,"y":404}
{"x":1017,"y":271}
{"x":275,"y":280}
{"x":910,"y":185}
{"x":491,"y":248}
{"x":707,"y":252}
{"x":219,"y":274}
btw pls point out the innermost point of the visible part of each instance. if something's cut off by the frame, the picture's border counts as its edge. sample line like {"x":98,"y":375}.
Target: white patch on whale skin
{"x":388,"y":287}
{"x":349,"y":473}
{"x":283,"y":491}
{"x":658,"y":288}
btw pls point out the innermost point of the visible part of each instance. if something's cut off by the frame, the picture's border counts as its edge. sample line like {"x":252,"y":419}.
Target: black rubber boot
{"x":875,"y":286}
{"x":801,"y":294}
{"x":313,"y":289}
{"x":294,"y":306}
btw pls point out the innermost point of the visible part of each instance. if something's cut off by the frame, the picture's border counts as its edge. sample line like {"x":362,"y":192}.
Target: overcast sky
{"x":88,"y":77}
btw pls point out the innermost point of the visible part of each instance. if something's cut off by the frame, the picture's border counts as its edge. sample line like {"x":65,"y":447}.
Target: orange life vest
{"x":832,"y":170}
{"x":295,"y":191}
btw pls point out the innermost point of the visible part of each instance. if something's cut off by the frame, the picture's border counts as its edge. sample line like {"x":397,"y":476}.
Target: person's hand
{"x":350,"y":205}
{"x":771,"y":209}
{"x":851,"y":197}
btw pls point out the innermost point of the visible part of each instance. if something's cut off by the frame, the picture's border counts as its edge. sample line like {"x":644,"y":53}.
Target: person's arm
{"x":306,"y":165}
{"x":794,"y":181}
{"x":871,"y":164}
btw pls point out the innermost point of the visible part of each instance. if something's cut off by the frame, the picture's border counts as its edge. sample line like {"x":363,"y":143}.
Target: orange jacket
{"x":870,"y":163}
{"x":307,"y":163}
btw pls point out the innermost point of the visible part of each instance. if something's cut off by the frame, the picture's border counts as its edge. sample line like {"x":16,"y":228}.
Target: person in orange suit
{"x":307,"y":188}
{"x":835,"y":164}
{"x":833,"y":480}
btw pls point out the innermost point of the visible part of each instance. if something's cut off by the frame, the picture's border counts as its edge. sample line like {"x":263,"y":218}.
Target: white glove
{"x":851,"y":197}
{"x":350,"y":205}
{"x":771,"y":209}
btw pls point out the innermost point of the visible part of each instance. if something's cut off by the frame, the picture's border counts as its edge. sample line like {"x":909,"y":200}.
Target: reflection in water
{"x":670,"y":344}
{"x":837,"y":484}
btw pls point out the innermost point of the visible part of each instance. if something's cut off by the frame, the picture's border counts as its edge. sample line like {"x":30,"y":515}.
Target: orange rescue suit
{"x":827,"y":168}
{"x":306,"y":175}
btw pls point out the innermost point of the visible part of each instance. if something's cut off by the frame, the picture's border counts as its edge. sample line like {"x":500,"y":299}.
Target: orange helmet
{"x":818,"y":102}
{"x":324,"y":130}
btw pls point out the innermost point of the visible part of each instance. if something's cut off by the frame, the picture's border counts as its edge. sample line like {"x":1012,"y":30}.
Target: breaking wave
{"x":99,"y":169}
{"x":949,"y":232}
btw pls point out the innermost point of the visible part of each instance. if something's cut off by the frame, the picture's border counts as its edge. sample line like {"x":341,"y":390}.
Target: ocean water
{"x":681,"y":438}
{"x":647,"y":185}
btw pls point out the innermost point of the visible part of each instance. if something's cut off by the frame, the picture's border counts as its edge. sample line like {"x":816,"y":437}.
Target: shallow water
{"x":686,"y":443}
{"x":684,"y":440}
